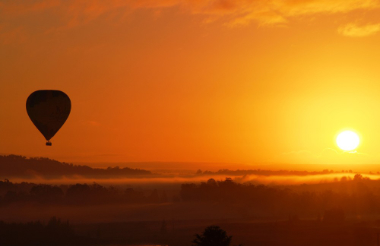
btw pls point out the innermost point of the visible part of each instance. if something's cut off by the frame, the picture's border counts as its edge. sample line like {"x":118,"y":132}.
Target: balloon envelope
{"x":48,"y":110}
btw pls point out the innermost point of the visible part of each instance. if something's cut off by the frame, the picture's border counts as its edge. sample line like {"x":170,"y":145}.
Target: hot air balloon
{"x":48,"y":110}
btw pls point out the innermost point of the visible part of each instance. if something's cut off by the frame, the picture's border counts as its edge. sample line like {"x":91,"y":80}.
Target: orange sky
{"x":246,"y":81}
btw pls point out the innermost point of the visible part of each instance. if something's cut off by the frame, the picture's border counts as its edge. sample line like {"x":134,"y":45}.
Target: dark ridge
{"x":15,"y":166}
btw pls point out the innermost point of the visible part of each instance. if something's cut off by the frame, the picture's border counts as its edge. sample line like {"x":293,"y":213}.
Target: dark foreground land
{"x":181,"y":233}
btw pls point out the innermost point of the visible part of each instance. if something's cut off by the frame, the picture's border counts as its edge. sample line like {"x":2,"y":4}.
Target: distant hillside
{"x":15,"y":166}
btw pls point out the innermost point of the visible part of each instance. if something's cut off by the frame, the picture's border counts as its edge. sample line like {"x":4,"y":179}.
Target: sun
{"x":347,"y":140}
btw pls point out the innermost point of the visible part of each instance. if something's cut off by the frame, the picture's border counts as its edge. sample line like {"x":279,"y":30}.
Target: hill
{"x":15,"y":166}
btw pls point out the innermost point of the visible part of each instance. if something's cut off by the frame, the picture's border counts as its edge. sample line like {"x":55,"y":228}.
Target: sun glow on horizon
{"x":348,"y":140}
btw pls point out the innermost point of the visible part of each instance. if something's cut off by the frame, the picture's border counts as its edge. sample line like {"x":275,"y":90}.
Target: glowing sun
{"x":347,"y":140}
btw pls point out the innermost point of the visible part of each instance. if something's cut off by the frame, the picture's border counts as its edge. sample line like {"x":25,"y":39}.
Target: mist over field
{"x":44,"y":170}
{"x":165,"y":205}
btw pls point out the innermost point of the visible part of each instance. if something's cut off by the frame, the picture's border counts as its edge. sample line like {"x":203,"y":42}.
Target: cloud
{"x":72,"y":13}
{"x":274,"y":12}
{"x":354,"y":30}
{"x":307,"y":7}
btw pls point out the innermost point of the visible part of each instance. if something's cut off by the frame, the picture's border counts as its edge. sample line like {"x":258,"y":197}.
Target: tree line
{"x":76,"y":194}
{"x":357,"y":196}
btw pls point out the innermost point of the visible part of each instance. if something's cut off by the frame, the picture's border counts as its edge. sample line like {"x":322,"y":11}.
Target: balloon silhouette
{"x":48,"y":110}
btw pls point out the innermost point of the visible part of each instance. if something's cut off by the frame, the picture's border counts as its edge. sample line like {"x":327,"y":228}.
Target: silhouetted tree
{"x":358,"y":177}
{"x":211,"y":182}
{"x":212,"y":236}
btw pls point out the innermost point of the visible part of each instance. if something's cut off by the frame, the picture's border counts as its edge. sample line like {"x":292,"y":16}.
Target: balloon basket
{"x":48,"y":143}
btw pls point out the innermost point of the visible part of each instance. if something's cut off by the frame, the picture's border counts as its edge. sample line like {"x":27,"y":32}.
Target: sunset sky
{"x":232,"y":81}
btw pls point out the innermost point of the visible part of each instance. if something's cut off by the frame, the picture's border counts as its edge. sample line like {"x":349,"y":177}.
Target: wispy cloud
{"x":269,"y":12}
{"x":306,"y":7}
{"x":354,"y":30}
{"x":71,"y":13}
